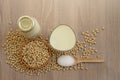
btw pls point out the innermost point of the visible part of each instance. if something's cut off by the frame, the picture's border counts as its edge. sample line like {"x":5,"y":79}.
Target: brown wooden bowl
{"x":45,"y":63}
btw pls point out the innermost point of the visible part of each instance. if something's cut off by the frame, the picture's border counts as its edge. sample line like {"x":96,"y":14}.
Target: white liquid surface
{"x":63,"y":38}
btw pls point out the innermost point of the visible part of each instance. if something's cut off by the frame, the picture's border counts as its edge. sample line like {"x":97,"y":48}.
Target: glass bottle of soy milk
{"x":29,"y":26}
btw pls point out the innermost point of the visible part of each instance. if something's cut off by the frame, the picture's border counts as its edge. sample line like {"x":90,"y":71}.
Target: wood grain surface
{"x":81,"y":15}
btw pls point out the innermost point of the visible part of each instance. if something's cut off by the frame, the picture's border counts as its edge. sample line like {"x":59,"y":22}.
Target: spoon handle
{"x":93,"y":60}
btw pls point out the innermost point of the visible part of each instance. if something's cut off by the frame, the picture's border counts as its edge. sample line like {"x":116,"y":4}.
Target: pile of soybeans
{"x":34,"y":56}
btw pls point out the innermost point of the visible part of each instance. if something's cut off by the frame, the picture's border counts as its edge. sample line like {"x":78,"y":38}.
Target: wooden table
{"x":81,"y":15}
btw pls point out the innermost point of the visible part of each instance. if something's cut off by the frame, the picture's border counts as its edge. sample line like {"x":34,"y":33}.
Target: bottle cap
{"x":25,"y":23}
